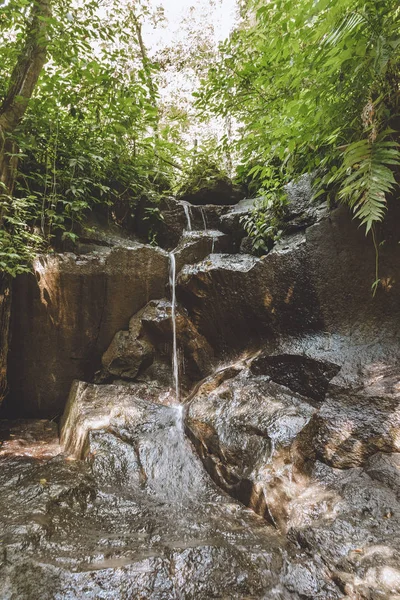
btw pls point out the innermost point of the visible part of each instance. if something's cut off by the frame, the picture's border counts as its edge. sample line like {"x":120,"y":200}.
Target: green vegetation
{"x":202,"y":170}
{"x":315,"y":87}
{"x":87,"y":131}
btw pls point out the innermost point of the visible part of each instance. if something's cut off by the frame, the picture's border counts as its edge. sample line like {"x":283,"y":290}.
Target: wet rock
{"x":341,"y":266}
{"x":96,"y":233}
{"x":231,"y":222}
{"x":246,"y":246}
{"x":385,"y":468}
{"x":244,"y":430}
{"x":179,"y":219}
{"x":301,"y":374}
{"x":66,"y":315}
{"x":310,"y":580}
{"x":197,"y":245}
{"x":207,"y":216}
{"x":127,"y":355}
{"x":351,"y":427}
{"x":25,"y":437}
{"x":138,"y":518}
{"x":145,"y":350}
{"x":238,"y":300}
{"x":196,"y":353}
{"x":163,"y":222}
{"x":300,"y":211}
{"x":353,"y":523}
{"x":221,"y":191}
{"x":250,"y":433}
{"x":93,"y":407}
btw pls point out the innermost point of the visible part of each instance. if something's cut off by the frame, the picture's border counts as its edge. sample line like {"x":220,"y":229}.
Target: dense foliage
{"x":90,"y":133}
{"x":312,"y":86}
{"x":315,"y":86}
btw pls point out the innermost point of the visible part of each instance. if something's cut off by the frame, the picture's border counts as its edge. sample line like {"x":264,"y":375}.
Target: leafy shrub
{"x":264,"y":223}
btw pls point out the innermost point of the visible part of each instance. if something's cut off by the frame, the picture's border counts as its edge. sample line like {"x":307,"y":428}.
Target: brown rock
{"x":351,"y":427}
{"x":66,"y":315}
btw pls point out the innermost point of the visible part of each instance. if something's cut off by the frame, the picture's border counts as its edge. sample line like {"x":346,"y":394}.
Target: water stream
{"x":172,"y":282}
{"x":203,"y":216}
{"x":186,"y":208}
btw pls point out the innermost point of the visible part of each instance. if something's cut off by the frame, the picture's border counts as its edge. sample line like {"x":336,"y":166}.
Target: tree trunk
{"x":23,"y":80}
{"x":22,"y":83}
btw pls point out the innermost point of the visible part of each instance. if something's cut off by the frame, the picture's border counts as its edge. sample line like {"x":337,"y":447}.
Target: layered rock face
{"x":65,"y":315}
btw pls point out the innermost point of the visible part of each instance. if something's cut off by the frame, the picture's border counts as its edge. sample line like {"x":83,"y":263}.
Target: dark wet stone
{"x":300,"y":210}
{"x":238,"y":300}
{"x":341,"y":267}
{"x":301,"y":374}
{"x":145,"y":351}
{"x":221,"y":192}
{"x":127,"y":355}
{"x":231,"y":222}
{"x":164,"y":221}
{"x":386,"y":469}
{"x":197,"y":245}
{"x":244,"y":430}
{"x":207,"y":216}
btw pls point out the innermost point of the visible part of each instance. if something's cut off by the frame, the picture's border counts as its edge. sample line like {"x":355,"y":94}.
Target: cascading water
{"x":203,"y":216}
{"x":186,"y":208}
{"x":172,"y":282}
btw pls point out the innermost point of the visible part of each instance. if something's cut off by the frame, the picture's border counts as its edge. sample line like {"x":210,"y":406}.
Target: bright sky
{"x":219,"y":13}
{"x":214,"y":19}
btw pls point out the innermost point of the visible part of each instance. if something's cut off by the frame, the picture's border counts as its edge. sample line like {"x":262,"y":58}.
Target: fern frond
{"x":366,"y":177}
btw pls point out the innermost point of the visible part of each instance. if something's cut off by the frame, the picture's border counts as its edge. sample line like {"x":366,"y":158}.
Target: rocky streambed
{"x":278,"y":474}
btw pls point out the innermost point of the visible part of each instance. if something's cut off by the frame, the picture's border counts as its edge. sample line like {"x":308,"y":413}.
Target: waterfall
{"x":203,"y":216}
{"x":186,"y":208}
{"x":172,"y":282}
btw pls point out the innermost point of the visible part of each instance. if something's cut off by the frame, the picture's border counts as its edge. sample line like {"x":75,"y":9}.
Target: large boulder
{"x":145,"y":350}
{"x":66,"y":314}
{"x":220,"y":191}
{"x":326,"y":476}
{"x":313,"y":280}
{"x":246,"y":428}
{"x":350,"y":427}
{"x":237,"y":300}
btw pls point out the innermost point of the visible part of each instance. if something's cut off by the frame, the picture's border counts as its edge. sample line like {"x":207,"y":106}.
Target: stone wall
{"x":66,"y":314}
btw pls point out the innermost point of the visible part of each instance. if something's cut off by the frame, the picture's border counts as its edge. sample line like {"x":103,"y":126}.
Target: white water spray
{"x":203,"y":216}
{"x":186,"y":208}
{"x":172,"y":282}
